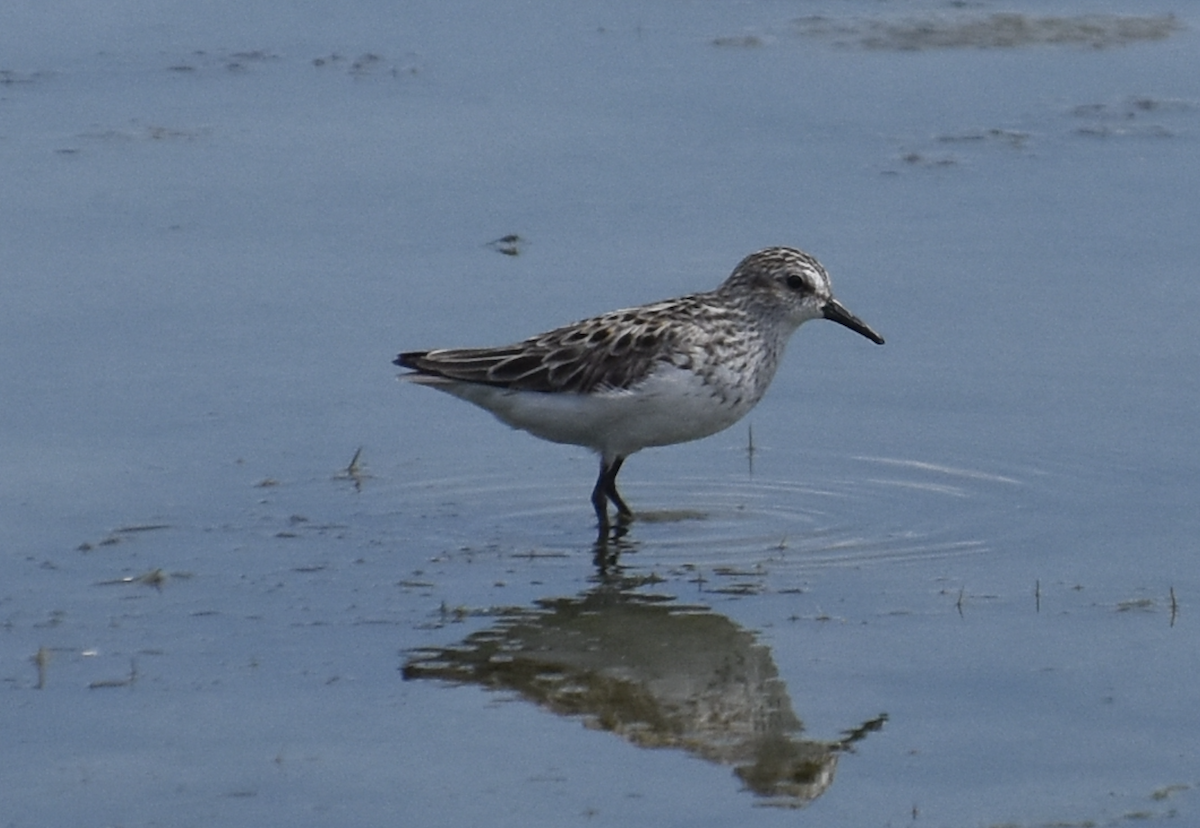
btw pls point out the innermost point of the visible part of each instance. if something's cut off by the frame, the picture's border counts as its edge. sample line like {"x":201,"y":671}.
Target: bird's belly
{"x":672,"y":406}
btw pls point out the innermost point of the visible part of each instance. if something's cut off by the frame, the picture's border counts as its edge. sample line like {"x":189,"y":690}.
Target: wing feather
{"x":614,"y":351}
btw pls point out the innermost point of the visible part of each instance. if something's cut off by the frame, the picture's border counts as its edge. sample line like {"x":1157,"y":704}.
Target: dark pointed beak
{"x":834,"y":312}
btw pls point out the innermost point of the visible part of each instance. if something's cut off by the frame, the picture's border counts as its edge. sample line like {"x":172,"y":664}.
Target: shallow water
{"x":947,"y":581}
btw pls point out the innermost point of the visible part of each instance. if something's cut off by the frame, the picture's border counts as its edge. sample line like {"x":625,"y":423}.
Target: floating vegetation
{"x":917,"y":159}
{"x":1130,"y":117}
{"x":141,"y":527}
{"x":233,"y":62}
{"x":1005,"y":30}
{"x":354,"y":472}
{"x":156,"y":578}
{"x":41,"y":660}
{"x":10,"y":78}
{"x":1168,"y":791}
{"x":137,"y":131}
{"x":1010,"y":137}
{"x":368,"y":64}
{"x":748,"y":41}
{"x":118,"y":534}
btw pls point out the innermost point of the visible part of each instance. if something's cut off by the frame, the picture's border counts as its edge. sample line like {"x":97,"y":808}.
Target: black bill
{"x":834,"y":312}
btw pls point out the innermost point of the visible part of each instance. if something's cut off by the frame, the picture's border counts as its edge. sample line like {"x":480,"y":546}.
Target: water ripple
{"x":917,"y":512}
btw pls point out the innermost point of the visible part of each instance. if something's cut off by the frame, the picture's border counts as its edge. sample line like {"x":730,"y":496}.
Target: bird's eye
{"x":795,"y":282}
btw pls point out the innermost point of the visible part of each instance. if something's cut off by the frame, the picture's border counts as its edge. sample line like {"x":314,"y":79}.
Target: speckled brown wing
{"x":616,"y":350}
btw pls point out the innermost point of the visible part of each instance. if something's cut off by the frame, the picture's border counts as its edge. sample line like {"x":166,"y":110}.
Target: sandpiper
{"x":653,"y":375}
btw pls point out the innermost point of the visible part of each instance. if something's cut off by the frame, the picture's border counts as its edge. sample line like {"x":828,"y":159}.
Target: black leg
{"x":610,"y":489}
{"x":606,"y":490}
{"x":599,"y":499}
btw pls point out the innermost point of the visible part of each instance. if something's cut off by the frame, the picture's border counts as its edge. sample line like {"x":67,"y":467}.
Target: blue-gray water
{"x":218,"y":225}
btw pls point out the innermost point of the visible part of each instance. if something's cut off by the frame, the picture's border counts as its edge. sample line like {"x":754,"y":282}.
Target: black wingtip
{"x":408,"y":359}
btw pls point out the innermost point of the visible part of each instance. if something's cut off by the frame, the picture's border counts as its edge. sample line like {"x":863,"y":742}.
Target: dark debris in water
{"x":1006,"y":137}
{"x":1132,"y":117}
{"x":1167,"y":791}
{"x":509,"y":245}
{"x":8,"y":77}
{"x":156,"y":578}
{"x":738,"y":589}
{"x":120,"y":533}
{"x":141,"y":527}
{"x":1137,"y":116}
{"x":1005,"y":30}
{"x":920,"y":159}
{"x":368,"y":64}
{"x":747,"y":41}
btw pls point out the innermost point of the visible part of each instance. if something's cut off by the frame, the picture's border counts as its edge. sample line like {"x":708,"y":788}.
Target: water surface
{"x":947,"y":581}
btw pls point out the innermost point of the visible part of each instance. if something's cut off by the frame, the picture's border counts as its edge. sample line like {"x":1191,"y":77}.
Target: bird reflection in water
{"x":657,"y":673}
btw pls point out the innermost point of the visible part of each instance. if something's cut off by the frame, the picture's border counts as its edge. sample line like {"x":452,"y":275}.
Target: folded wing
{"x":611,"y":352}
